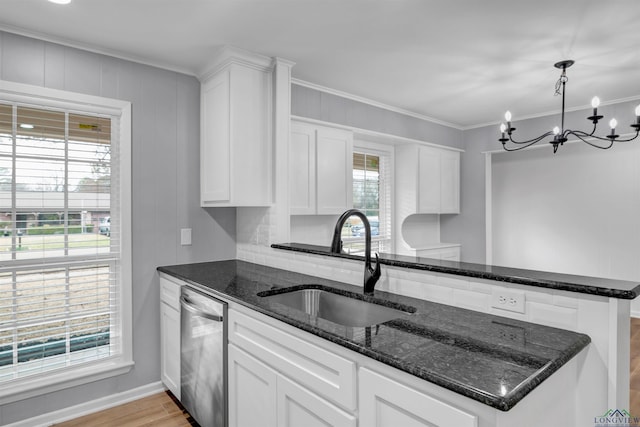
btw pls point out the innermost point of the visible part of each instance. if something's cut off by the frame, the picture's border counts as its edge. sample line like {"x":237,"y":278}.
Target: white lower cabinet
{"x":170,"y":348}
{"x":282,"y":376}
{"x":384,"y":402}
{"x":170,"y":335}
{"x":252,"y":391}
{"x":297,"y":406}
{"x":260,"y":396}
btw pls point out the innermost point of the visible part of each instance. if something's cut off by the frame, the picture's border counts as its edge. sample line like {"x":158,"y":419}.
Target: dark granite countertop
{"x":491,"y":359}
{"x":621,"y":289}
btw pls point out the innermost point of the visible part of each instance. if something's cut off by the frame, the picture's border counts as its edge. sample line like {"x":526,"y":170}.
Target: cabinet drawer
{"x":319,"y":370}
{"x":170,"y":292}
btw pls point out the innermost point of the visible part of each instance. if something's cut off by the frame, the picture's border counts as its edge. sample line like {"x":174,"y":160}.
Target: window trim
{"x":53,"y":381}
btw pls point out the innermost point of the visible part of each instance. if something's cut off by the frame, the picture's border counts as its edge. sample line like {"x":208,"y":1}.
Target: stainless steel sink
{"x":336,"y":308}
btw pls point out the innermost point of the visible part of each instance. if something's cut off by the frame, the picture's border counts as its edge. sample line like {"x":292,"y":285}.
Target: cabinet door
{"x":215,"y":150}
{"x":236,"y":154}
{"x":334,"y":166}
{"x":387,"y":403}
{"x":251,"y":147}
{"x":252,"y":391}
{"x":449,"y":182}
{"x":428,"y":180}
{"x":302,"y":161}
{"x":299,"y":407}
{"x":170,"y":348}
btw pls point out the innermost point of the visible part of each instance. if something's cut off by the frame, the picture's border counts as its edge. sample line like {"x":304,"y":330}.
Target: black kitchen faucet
{"x":371,"y":275}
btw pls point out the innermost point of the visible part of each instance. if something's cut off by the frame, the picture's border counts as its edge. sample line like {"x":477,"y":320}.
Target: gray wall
{"x":165,"y":188}
{"x":468,"y":227}
{"x":313,"y":104}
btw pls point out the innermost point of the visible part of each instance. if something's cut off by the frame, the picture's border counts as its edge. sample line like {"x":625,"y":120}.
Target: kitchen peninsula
{"x":515,"y":369}
{"x":543,"y":279}
{"x":597,"y":307}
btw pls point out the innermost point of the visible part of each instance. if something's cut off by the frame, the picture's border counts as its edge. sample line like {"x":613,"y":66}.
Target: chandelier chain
{"x":563,"y":79}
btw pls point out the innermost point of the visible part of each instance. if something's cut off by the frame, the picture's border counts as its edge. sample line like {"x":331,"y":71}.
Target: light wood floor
{"x":161,"y":410}
{"x":158,"y":410}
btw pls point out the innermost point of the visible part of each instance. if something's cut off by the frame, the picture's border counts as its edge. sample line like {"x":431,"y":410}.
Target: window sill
{"x":25,"y":388}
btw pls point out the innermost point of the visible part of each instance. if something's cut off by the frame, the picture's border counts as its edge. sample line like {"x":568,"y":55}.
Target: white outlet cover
{"x":508,"y":299}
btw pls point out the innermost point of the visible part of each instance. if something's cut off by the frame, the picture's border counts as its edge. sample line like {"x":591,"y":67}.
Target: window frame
{"x":362,"y":145}
{"x":120,"y":364}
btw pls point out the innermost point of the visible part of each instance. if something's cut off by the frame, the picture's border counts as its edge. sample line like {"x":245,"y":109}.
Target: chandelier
{"x":560,"y":134}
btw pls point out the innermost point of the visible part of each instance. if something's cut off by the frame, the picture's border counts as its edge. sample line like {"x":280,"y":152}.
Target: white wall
{"x":165,"y":155}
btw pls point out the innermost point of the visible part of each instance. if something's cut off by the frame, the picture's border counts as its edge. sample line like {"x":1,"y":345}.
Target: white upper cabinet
{"x":302,"y":167}
{"x":449,"y":181}
{"x":321,"y":176}
{"x":236,"y":153}
{"x":428,"y":179}
{"x":428,"y":170}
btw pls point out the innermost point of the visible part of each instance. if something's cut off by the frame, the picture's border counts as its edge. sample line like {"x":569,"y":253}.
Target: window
{"x":64,"y":265}
{"x":372,"y":196}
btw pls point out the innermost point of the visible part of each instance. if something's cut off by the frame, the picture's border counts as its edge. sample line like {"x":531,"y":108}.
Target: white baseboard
{"x":90,"y":407}
{"x":635,"y":313}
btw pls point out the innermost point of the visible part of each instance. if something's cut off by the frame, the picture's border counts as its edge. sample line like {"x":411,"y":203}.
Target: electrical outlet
{"x":507,"y":299}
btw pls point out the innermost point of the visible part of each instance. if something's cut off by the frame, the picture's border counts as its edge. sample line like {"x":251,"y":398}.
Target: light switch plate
{"x":185,"y":236}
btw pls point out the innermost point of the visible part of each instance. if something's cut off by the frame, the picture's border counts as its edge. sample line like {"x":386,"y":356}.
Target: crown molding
{"x":373,"y":103}
{"x":95,"y":49}
{"x":228,"y":55}
{"x":556,"y":112}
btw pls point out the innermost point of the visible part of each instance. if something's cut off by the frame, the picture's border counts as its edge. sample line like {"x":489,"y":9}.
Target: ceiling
{"x":462,"y":62}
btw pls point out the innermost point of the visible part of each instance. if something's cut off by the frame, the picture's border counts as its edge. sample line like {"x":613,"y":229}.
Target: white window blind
{"x":59,"y":240}
{"x":371,"y":195}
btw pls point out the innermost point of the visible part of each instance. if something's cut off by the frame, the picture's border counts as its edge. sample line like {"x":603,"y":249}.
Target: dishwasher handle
{"x":197,"y":311}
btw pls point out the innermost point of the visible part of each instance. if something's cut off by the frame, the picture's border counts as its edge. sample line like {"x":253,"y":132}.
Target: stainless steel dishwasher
{"x":203,"y":358}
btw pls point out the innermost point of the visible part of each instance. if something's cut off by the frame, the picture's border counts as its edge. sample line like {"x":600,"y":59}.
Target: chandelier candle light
{"x":560,"y":134}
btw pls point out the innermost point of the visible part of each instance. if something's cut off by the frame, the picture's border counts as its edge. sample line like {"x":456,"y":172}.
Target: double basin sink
{"x":343,"y":308}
